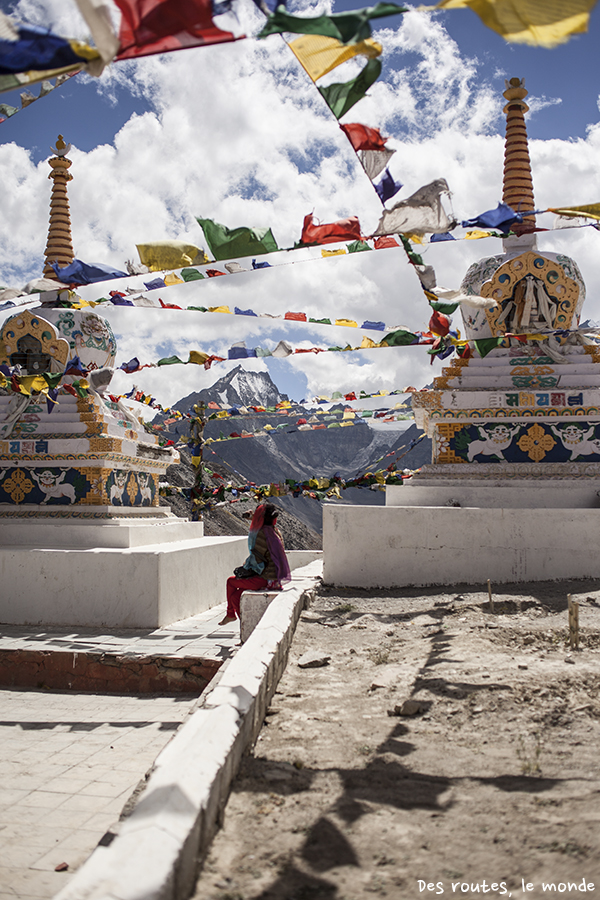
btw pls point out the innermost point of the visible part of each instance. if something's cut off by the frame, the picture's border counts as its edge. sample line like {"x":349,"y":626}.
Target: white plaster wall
{"x":394,"y":546}
{"x":89,"y":534}
{"x":122,"y":588}
{"x":542,"y":494}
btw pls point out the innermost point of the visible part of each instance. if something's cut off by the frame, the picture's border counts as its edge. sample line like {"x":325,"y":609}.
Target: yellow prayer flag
{"x":172,"y":278}
{"x":348,"y":323}
{"x":220,"y":309}
{"x":348,"y":415}
{"x":475,"y":236}
{"x":197,"y":357}
{"x":591,"y":211}
{"x":326,"y":253}
{"x":414,"y":238}
{"x":160,"y":255}
{"x":367,"y":343}
{"x":543,"y":23}
{"x":32,"y":383}
{"x":318,"y":54}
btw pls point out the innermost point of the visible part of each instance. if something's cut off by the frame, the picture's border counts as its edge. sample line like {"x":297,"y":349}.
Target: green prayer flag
{"x":414,"y":257}
{"x":52,"y":380}
{"x":191,"y":274}
{"x":341,"y":97}
{"x":321,"y":321}
{"x":347,"y":27}
{"x":399,"y":338}
{"x":229,"y":243}
{"x":484,"y":345}
{"x":357,"y":247}
{"x":446,"y":308}
{"x":170,"y":361}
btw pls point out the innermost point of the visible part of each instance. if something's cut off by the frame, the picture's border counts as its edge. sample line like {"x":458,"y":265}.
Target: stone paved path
{"x":70,"y":761}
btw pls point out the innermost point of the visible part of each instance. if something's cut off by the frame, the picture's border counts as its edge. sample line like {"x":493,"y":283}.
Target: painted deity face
{"x":120,"y":479}
{"x":572,"y":434}
{"x":143,"y":479}
{"x":500,"y":434}
{"x":47,"y":478}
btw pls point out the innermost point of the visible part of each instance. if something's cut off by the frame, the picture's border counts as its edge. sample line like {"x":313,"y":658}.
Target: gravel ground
{"x":487,"y":785}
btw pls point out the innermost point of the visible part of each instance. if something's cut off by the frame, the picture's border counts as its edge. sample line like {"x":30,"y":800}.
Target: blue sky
{"x":158,"y":142}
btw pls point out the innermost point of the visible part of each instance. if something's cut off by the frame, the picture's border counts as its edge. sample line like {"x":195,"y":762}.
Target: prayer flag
{"x":445,"y":236}
{"x":347,"y":27}
{"x":342,"y":230}
{"x":79,"y":272}
{"x":197,"y":357}
{"x":485,"y":345}
{"x":400,"y":338}
{"x":358,"y":247}
{"x":319,"y":55}
{"x":170,"y":361}
{"x":132,"y":366}
{"x":374,"y":161}
{"x":363,"y":137}
{"x":340,"y":252}
{"x":421,"y":213}
{"x":159,"y":255}
{"x":25,"y":48}
{"x":226,"y":243}
{"x":501,"y":217}
{"x":544,"y":23}
{"x":191,"y":275}
{"x":98,"y":19}
{"x":161,"y":25}
{"x":382,"y":243}
{"x":341,"y":97}
{"x":590,"y":211}
{"x":387,"y":187}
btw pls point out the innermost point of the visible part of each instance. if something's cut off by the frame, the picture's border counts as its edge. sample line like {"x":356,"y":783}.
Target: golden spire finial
{"x":59,"y":247}
{"x":518,"y":184}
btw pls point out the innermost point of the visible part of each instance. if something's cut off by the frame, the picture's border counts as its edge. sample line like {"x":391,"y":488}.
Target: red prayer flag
{"x":342,"y":230}
{"x":387,"y":241}
{"x":362,"y":137}
{"x":156,"y":26}
{"x":295,"y":317}
{"x":351,"y":396}
{"x":439,"y":323}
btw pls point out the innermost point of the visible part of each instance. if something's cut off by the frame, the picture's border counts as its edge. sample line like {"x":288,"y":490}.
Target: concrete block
{"x":143,"y":587}
{"x":398,"y":546}
{"x":252,"y":606}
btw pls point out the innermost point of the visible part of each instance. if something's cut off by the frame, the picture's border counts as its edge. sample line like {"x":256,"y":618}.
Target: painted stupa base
{"x":122,"y":573}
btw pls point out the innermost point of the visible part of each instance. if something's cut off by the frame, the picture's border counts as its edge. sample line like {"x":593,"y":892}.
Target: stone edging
{"x":159,"y":848}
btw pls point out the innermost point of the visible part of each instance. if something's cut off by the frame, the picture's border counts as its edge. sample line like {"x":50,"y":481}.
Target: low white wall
{"x":394,"y":546}
{"x":121,"y":588}
{"x":568,"y":494}
{"x":299,"y":558}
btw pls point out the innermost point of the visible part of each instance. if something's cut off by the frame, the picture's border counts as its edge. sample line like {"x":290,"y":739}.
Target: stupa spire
{"x":517,"y":189}
{"x":59,"y":247}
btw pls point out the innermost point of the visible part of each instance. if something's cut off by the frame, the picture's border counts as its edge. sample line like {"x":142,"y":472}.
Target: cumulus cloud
{"x":239,"y":133}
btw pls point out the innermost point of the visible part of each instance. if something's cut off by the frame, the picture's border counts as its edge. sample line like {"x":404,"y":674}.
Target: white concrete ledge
{"x":159,"y":849}
{"x":400,"y":546}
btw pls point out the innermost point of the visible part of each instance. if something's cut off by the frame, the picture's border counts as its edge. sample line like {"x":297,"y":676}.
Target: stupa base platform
{"x":446,"y":534}
{"x":116,"y":573}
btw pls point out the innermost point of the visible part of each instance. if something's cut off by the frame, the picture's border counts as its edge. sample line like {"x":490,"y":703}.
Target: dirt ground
{"x":490,"y":789}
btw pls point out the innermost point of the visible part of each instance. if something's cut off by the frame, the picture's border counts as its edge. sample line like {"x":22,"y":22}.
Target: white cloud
{"x":238,"y":133}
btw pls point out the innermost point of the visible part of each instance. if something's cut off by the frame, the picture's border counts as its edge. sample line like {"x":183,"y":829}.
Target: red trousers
{"x":235,"y":589}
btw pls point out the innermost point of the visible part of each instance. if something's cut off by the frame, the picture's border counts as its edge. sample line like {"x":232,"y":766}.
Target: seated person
{"x":267,"y":563}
